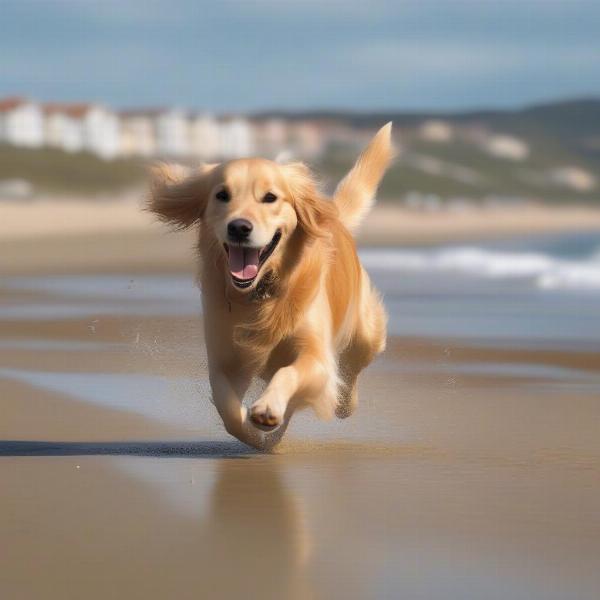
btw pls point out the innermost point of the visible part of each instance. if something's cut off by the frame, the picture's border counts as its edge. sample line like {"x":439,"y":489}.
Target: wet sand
{"x":445,"y":484}
{"x":469,"y":471}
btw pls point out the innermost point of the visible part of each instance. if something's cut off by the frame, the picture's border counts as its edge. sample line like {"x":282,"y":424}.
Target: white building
{"x":307,"y":139}
{"x":204,"y":137}
{"x":83,"y":127}
{"x":61,"y":129}
{"x":437,"y":131}
{"x":138,"y":133}
{"x":172,"y":132}
{"x":101,"y":131}
{"x":574,"y":178}
{"x":271,"y":136}
{"x":506,"y":146}
{"x":236,"y":138}
{"x":21,"y":123}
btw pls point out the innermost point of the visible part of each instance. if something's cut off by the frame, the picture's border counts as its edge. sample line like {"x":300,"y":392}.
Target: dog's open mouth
{"x":245,"y":262}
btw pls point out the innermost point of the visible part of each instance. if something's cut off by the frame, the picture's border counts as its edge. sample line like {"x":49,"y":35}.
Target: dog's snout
{"x":239,"y":229}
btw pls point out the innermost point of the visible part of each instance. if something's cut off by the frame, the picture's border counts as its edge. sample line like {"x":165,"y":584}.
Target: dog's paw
{"x":343,"y":410}
{"x":346,"y":404}
{"x":263,"y":416}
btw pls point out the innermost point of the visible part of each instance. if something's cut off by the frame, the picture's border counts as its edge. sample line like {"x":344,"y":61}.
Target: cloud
{"x":468,"y":58}
{"x":301,"y":53}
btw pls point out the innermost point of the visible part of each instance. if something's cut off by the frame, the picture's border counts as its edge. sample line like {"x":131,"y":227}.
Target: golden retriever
{"x":284,"y":295}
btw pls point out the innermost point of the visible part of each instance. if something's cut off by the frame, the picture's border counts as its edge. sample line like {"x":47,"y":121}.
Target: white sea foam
{"x":544,"y":270}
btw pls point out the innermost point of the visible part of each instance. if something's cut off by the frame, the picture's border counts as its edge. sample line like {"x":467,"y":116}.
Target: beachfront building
{"x":62,"y":129}
{"x":435,"y":130}
{"x":82,"y":127}
{"x":506,"y":146}
{"x":204,"y":136}
{"x":574,"y":178}
{"x":165,"y":132}
{"x":172,"y":132}
{"x":270,"y":136}
{"x":307,"y":139}
{"x":138,"y":133}
{"x":21,"y":123}
{"x":236,"y":138}
{"x":101,"y":131}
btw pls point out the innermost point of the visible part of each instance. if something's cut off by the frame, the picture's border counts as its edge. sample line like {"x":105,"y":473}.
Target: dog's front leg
{"x":228,"y":393}
{"x":310,"y":378}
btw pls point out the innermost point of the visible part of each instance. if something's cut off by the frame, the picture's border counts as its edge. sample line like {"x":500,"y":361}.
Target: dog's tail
{"x":355,"y":194}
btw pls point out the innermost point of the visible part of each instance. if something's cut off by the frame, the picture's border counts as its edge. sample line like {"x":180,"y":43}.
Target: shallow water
{"x":470,"y":470}
{"x":493,"y":292}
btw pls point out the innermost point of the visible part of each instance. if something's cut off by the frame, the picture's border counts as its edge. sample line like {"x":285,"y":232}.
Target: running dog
{"x":285,"y":297}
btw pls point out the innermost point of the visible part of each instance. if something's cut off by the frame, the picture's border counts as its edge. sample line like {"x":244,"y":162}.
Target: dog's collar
{"x":265,"y":289}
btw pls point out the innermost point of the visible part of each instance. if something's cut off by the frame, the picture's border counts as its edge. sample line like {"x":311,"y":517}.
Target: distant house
{"x":82,"y":127}
{"x":101,"y":130}
{"x":574,"y":178}
{"x":172,"y":132}
{"x":236,"y":138}
{"x":138,"y":133}
{"x":271,"y":136}
{"x":204,"y":137}
{"x":275,"y":136}
{"x":21,"y":123}
{"x":506,"y":146}
{"x":434,"y":130}
{"x":307,"y":139}
{"x":61,"y":129}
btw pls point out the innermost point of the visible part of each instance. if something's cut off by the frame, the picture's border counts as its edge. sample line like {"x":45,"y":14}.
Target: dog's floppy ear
{"x":314,"y":212}
{"x":179,"y":195}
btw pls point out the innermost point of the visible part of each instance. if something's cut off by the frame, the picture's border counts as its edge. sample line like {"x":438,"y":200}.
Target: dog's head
{"x":250,"y":208}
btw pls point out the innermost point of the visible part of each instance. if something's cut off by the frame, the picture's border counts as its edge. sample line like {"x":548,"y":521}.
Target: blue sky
{"x":259,"y":54}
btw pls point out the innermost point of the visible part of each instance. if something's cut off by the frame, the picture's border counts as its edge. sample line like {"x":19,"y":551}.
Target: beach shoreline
{"x":86,"y":236}
{"x":462,"y":454}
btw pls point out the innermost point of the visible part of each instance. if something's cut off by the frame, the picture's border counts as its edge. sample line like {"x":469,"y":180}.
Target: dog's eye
{"x":223,"y":196}
{"x":269,"y":197}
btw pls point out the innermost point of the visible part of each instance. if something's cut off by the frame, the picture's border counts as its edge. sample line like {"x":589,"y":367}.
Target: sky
{"x":250,"y":55}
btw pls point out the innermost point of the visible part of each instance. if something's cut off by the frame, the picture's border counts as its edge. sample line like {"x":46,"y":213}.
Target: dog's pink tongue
{"x":243,"y":262}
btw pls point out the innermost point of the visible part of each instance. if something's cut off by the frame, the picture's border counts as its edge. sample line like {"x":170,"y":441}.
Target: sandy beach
{"x":53,"y":235}
{"x":470,"y":469}
{"x":483,"y":480}
{"x":398,"y":210}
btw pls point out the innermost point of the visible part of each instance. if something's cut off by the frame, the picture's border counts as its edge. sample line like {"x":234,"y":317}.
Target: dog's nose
{"x":239,"y":229}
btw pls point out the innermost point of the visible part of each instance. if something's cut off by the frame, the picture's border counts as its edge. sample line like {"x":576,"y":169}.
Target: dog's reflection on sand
{"x":255,"y":535}
{"x":249,"y":539}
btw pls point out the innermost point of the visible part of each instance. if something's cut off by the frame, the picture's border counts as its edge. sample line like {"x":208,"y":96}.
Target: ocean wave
{"x":544,"y":270}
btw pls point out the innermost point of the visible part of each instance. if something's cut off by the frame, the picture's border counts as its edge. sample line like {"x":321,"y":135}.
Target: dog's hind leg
{"x":367,"y":342}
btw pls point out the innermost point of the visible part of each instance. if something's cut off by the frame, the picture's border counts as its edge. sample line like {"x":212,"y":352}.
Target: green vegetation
{"x":55,"y":171}
{"x":558,"y":135}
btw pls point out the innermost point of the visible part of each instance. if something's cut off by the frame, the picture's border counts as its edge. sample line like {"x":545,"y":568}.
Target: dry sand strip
{"x":389,"y":225}
{"x":86,"y":236}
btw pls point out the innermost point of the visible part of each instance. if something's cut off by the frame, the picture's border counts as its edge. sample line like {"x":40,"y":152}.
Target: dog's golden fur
{"x":310,"y":321}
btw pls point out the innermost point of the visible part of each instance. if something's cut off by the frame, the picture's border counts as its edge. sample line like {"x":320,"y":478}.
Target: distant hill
{"x":545,"y":152}
{"x":568,"y":116}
